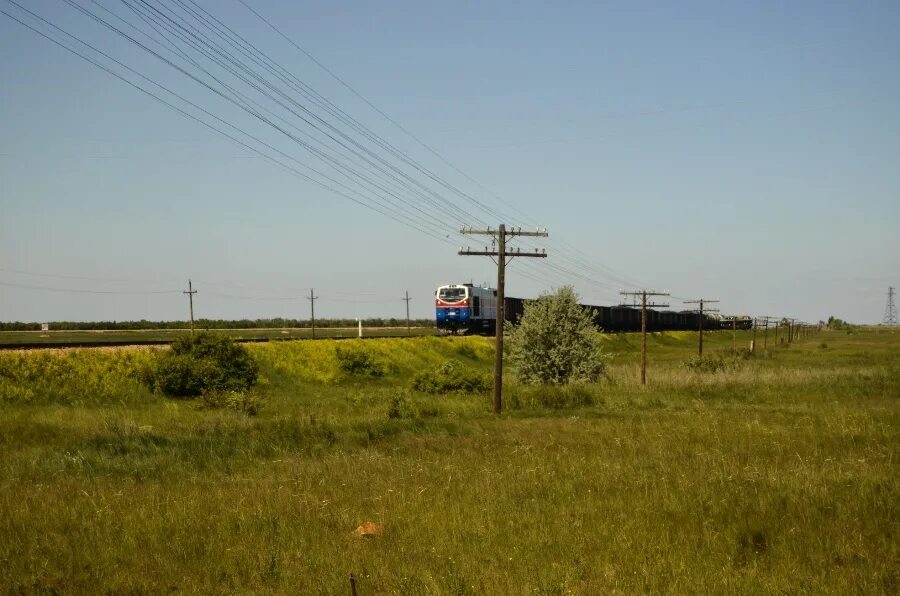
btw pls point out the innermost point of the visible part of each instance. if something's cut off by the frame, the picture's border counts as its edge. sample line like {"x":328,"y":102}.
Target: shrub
{"x":555,"y":341}
{"x":201,"y":363}
{"x":451,"y":376}
{"x":840,"y":325}
{"x":357,"y":362}
{"x":706,"y":364}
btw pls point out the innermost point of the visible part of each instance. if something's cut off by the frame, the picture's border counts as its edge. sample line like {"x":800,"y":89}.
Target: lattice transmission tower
{"x":890,"y":311}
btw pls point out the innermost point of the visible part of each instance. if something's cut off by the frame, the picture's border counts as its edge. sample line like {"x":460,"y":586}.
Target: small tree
{"x":555,"y":341}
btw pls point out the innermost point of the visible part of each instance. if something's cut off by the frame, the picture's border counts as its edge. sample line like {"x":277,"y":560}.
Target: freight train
{"x":467,"y":308}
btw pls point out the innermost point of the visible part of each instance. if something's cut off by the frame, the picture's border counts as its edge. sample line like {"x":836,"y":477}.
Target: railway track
{"x":96,"y":339}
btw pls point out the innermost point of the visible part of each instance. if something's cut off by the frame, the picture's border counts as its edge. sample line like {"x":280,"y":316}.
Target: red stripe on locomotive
{"x":443,"y":304}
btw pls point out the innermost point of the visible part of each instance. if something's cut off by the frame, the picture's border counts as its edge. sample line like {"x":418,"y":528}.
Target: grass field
{"x":773,"y":474}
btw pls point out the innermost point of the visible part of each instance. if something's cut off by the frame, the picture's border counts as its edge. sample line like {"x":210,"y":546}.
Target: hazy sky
{"x":746,"y":151}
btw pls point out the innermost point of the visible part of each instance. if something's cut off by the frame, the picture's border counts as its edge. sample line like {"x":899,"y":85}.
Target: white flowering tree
{"x":555,"y":341}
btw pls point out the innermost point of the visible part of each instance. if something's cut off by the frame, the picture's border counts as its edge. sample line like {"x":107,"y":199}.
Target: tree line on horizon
{"x":275,"y":323}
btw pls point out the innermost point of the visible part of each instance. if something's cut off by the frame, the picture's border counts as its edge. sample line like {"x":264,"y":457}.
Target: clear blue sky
{"x":741,"y":151}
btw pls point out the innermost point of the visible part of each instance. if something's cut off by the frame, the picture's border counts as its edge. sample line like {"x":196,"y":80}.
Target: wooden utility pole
{"x":765,"y":321}
{"x":643,"y":295}
{"x":407,"y":299}
{"x":312,"y":311}
{"x":753,"y":341}
{"x":190,"y":292}
{"x":500,"y":236}
{"x":701,"y":302}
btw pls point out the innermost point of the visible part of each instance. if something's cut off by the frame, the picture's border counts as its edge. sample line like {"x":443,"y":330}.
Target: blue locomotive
{"x":465,"y":308}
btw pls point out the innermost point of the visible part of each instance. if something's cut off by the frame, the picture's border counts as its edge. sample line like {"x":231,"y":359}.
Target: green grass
{"x":776,"y":474}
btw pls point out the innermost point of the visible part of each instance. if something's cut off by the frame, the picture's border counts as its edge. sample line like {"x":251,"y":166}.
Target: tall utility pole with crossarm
{"x":407,"y":299}
{"x":190,"y":293}
{"x":501,"y":235}
{"x":312,"y":310}
{"x":701,"y":302}
{"x":643,"y":295}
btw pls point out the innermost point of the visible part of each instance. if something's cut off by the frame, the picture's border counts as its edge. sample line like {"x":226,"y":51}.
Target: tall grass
{"x":74,"y":377}
{"x":778,"y":474}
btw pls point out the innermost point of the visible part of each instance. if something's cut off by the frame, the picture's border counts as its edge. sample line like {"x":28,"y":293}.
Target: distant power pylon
{"x":890,"y":311}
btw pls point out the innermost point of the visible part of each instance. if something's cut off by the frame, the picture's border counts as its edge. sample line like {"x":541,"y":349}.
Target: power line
{"x":238,"y":102}
{"x":79,"y":277}
{"x":379,"y":209}
{"x":232,"y":100}
{"x":250,"y":50}
{"x":198,"y":40}
{"x":79,"y":291}
{"x":488,"y":209}
{"x":613,"y":275}
{"x":385,"y":201}
{"x":205,"y":45}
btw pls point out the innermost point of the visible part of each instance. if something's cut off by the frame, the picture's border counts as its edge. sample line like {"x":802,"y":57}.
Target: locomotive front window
{"x":452,"y":294}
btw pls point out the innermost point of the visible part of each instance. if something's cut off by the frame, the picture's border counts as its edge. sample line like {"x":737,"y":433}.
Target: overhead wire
{"x":581,"y":266}
{"x":320,"y":152}
{"x":120,"y":17}
{"x":570,"y":251}
{"x":248,"y":110}
{"x":361,"y":296}
{"x":251,"y":51}
{"x":362,"y":202}
{"x":69,"y":276}
{"x":386,"y":145}
{"x":321,"y":122}
{"x":82,"y":291}
{"x":434,"y":225}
